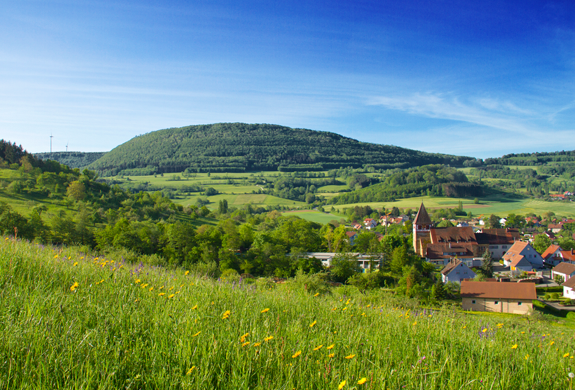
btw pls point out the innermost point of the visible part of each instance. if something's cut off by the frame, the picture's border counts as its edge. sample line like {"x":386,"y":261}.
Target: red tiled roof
{"x":549,"y":251}
{"x":569,"y":283}
{"x":436,"y":251}
{"x":502,"y":290}
{"x":568,"y":255}
{"x":452,"y":234}
{"x":498,"y":236}
{"x":564,"y":268}
{"x":515,"y":250}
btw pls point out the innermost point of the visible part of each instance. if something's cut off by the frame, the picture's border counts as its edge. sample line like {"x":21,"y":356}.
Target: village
{"x":458,"y":251}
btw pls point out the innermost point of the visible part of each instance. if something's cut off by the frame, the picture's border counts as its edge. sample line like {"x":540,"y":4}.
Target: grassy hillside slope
{"x":69,"y":321}
{"x":227,"y":147}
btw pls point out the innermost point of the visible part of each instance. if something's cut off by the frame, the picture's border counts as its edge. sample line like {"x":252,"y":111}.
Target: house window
{"x":496,"y":302}
{"x":473,"y":301}
{"x":519,"y":303}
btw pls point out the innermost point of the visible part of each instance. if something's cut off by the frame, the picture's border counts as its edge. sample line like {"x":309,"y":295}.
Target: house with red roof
{"x":552,"y":255}
{"x":522,"y":257}
{"x":569,"y":288}
{"x":502,"y":297}
{"x":563,"y":270}
{"x":456,"y":271}
{"x":369,"y":223}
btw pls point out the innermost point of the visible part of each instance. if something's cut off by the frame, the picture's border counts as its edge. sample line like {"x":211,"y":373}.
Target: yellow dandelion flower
{"x":296,"y":354}
{"x":137,"y":281}
{"x":551,"y":343}
{"x":246,"y":343}
{"x":171,"y":296}
{"x":171,"y":288}
{"x":151,"y":288}
{"x":523,"y":332}
{"x":187,"y":273}
{"x":226,"y":315}
{"x":514,"y":346}
{"x":312,"y":324}
{"x":74,"y":286}
{"x":161,"y":294}
{"x":265,"y":310}
{"x":499,"y":325}
{"x":243,"y":338}
{"x":566,"y":355}
{"x":197,"y":334}
{"x":331,"y":355}
{"x":350,"y":356}
{"x":344,"y":309}
{"x":484,"y":330}
{"x":316,"y":294}
{"x":268,"y":338}
{"x":318,"y":347}
{"x":195,"y":307}
{"x":331,"y":346}
{"x":257,"y":344}
{"x":414,"y":323}
{"x":464,"y":326}
{"x":75,"y":264}
{"x":190,"y":370}
{"x":527,"y":357}
{"x":362,"y":381}
{"x":341,"y":385}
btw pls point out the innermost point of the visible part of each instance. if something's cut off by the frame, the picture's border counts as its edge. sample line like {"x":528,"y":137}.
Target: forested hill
{"x":227,"y":147}
{"x":71,"y":159}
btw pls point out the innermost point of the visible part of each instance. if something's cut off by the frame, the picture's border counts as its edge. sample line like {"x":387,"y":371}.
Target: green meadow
{"x":501,"y":205}
{"x":73,"y":321}
{"x":314,"y":216}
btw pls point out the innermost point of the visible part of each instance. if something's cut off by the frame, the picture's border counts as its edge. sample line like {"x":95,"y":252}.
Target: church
{"x":439,"y":245}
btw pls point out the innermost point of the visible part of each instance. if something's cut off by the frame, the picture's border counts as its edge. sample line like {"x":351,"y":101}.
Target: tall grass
{"x":67,"y":321}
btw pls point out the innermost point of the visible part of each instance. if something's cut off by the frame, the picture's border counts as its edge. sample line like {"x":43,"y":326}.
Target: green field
{"x":71,"y":321}
{"x":501,"y":206}
{"x":313,"y":216}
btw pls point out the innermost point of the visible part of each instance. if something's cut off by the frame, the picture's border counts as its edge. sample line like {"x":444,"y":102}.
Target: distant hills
{"x":229,"y":147}
{"x":71,"y":159}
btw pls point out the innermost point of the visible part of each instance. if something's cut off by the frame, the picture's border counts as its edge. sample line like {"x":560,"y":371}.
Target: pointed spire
{"x":422,"y":218}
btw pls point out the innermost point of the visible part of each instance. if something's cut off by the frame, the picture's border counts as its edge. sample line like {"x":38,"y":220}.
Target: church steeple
{"x":422,"y":218}
{"x":421,"y":227}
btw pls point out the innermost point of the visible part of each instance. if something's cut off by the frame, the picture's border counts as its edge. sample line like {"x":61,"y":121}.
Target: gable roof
{"x":564,"y":268}
{"x":515,"y":250}
{"x":436,"y":251}
{"x":452,"y":265}
{"x":505,"y":236}
{"x":549,"y":251}
{"x":568,"y":255}
{"x":452,"y":234}
{"x":520,"y":261}
{"x":422,"y":218}
{"x":502,"y":290}
{"x":351,"y":234}
{"x":569,"y":283}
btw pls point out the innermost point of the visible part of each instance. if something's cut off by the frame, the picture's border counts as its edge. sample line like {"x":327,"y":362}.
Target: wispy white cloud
{"x":485,"y":112}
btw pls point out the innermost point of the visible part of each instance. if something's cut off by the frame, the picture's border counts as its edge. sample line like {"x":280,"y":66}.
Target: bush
{"x":312,"y":283}
{"x":570,"y":315}
{"x":538,"y":304}
{"x":555,"y":295}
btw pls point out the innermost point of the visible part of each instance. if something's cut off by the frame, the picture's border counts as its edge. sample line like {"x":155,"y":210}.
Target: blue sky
{"x":469,"y":78}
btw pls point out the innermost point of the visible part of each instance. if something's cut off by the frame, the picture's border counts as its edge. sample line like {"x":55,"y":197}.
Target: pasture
{"x":74,"y":321}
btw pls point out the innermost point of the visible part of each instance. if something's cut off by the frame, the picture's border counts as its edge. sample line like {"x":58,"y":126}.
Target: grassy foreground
{"x":67,"y":321}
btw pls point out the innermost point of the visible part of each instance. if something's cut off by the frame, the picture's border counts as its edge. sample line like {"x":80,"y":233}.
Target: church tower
{"x":421,"y":230}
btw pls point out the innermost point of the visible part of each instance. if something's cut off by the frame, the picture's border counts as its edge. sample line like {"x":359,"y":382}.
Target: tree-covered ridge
{"x":240,"y":147}
{"x":71,"y":159}
{"x":438,"y":180}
